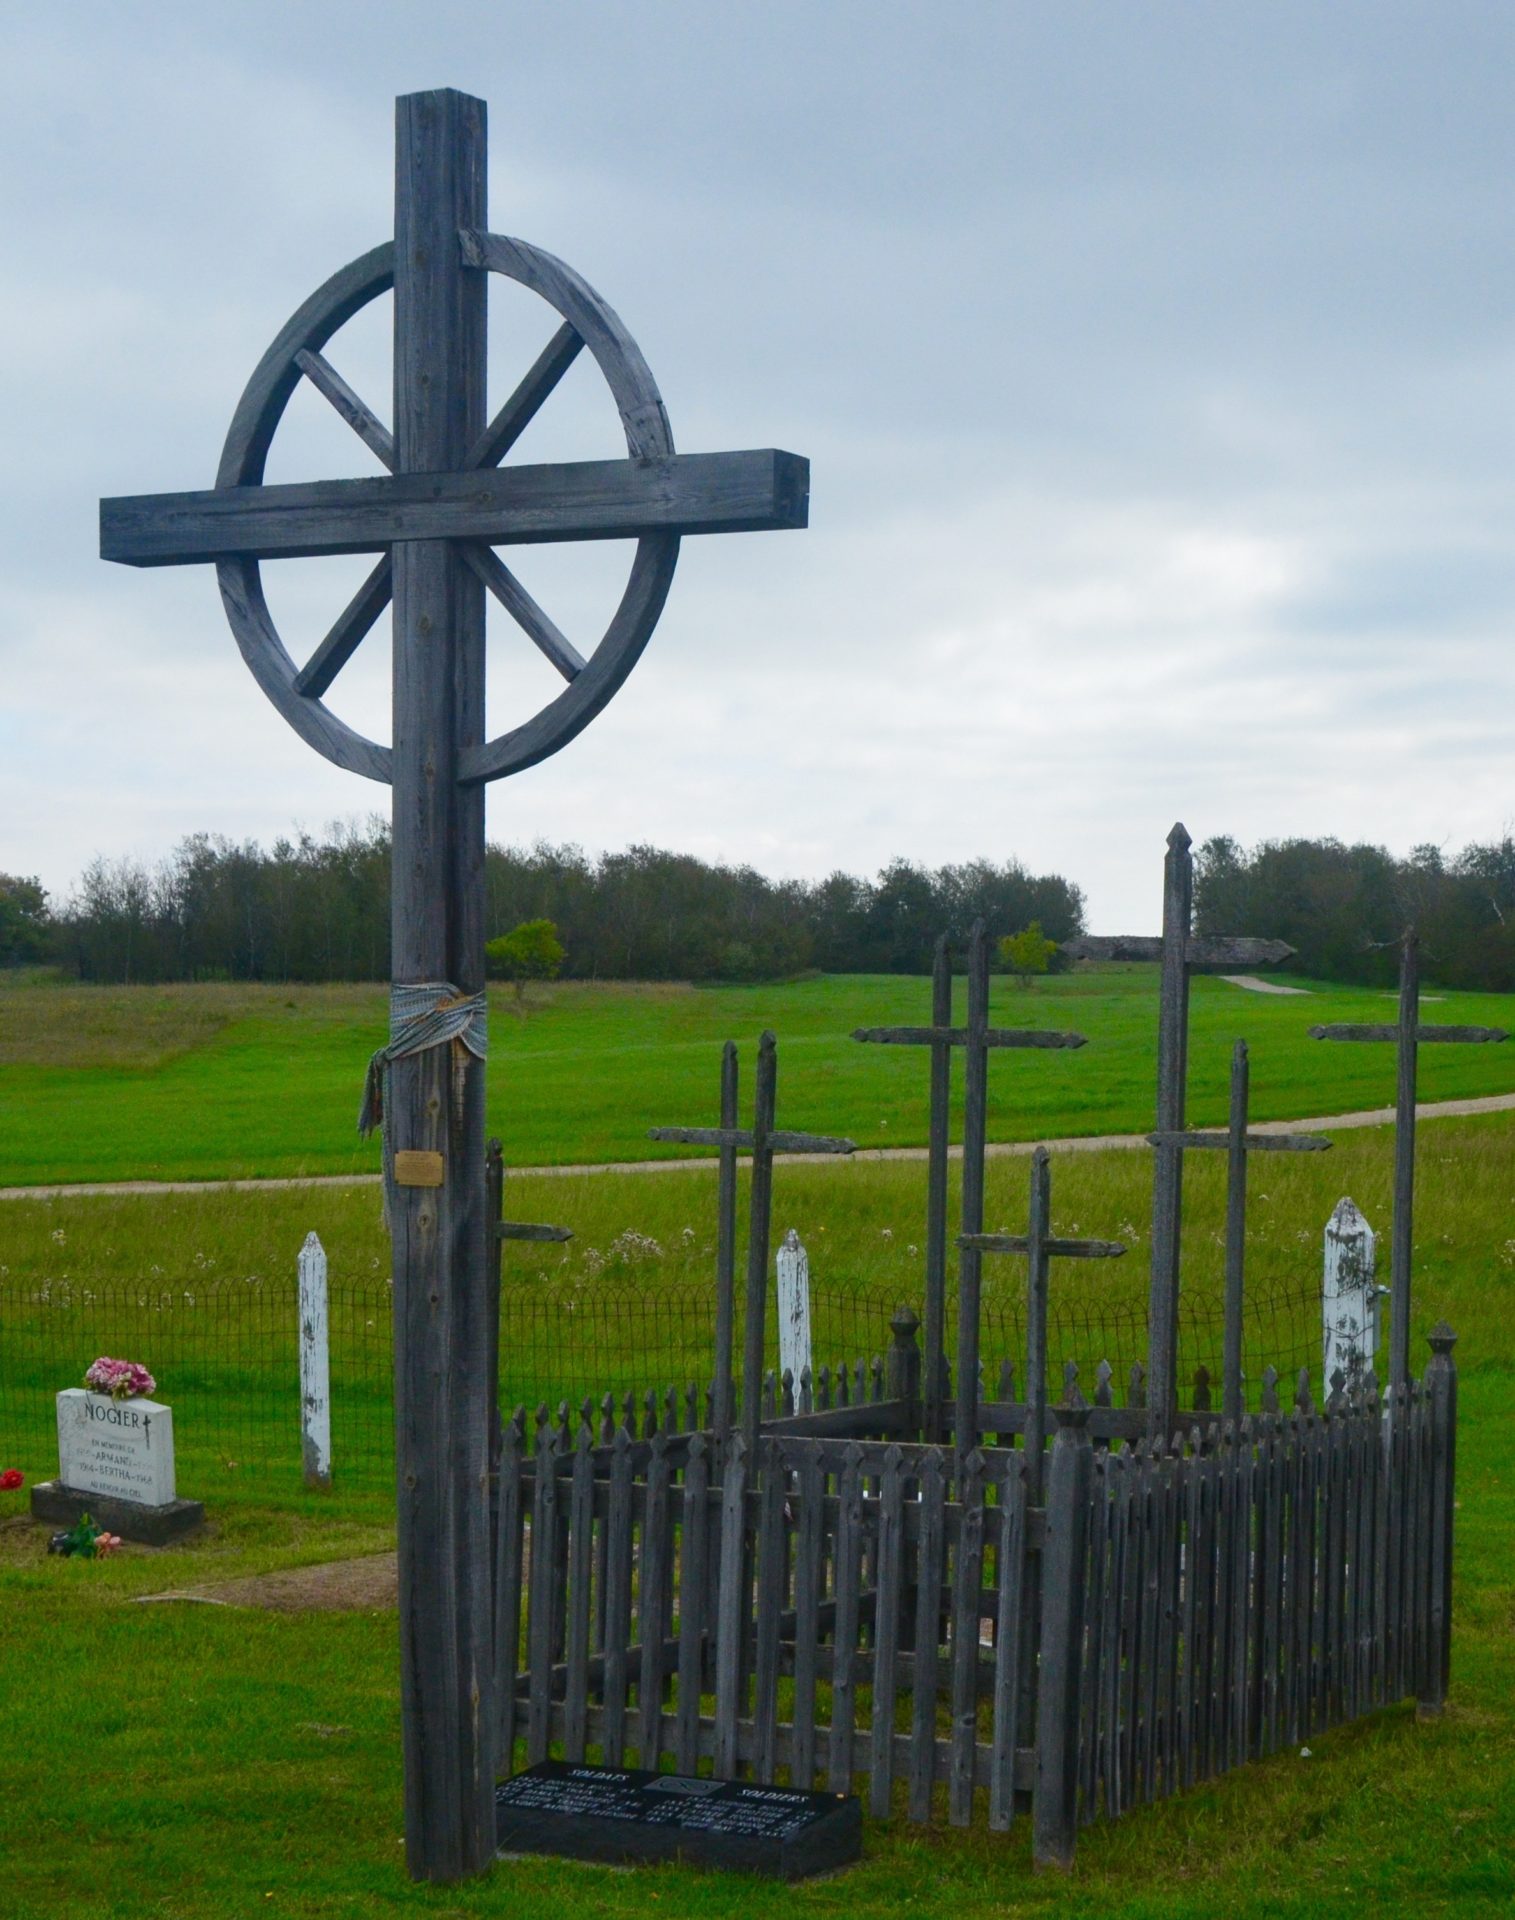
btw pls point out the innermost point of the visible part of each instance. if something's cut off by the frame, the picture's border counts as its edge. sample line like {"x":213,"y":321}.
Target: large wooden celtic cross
{"x":434,"y":522}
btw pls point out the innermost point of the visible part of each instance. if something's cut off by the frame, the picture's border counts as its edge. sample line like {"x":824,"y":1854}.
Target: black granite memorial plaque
{"x":624,"y":1813}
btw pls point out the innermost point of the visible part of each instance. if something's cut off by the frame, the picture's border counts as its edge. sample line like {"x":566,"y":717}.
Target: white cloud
{"x":1153,"y":370}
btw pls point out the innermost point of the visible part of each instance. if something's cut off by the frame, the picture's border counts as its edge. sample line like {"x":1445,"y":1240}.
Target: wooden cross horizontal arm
{"x":525,"y":1230}
{"x":575,"y":500}
{"x":1346,"y":1030}
{"x":741,"y":1138}
{"x":1253,"y":1142}
{"x":1200,"y":950}
{"x":961,"y":1036}
{"x":1056,"y":1249}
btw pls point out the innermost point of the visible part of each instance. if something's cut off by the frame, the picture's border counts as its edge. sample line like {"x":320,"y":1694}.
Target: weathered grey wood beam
{"x":1200,"y":950}
{"x":518,"y":603}
{"x":577,"y":500}
{"x":1255,"y":1142}
{"x":441,"y":1236}
{"x":364,"y":422}
{"x":526,"y":402}
{"x":779,"y":1141}
{"x":1374,"y":1031}
{"x":348,"y":632}
{"x":959,"y":1036}
{"x":1054,"y":1248}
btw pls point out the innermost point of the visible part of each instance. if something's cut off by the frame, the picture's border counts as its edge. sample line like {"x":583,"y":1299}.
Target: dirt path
{"x":1255,"y":984}
{"x":333,"y":1586}
{"x":1005,"y":1149}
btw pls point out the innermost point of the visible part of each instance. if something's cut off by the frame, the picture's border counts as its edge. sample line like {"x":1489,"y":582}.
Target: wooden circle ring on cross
{"x":587,"y":321}
{"x":432,"y":521}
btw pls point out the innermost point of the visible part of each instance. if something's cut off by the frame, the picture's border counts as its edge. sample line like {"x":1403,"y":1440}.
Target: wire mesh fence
{"x":226,"y":1357}
{"x":1281,"y":1328}
{"x":226,"y":1354}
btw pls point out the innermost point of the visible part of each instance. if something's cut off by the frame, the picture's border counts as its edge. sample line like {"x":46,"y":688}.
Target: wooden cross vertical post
{"x":1168,"y":1168}
{"x":434,"y":518}
{"x":501,"y":1230}
{"x":440,"y":1232}
{"x":976,"y":1038}
{"x":762,"y":1140}
{"x":1039,"y":1246}
{"x":1236,"y":1143}
{"x":1406,"y":1033}
{"x":1179,"y":953}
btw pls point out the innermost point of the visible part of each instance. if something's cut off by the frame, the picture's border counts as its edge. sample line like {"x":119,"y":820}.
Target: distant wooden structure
{"x":433,"y":520}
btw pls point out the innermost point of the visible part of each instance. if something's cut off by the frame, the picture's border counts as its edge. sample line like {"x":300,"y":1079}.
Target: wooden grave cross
{"x":1039,"y":1246}
{"x":1181,"y":952}
{"x":763,"y":1140}
{"x":434,"y":519}
{"x":976,"y":1039}
{"x":502,"y":1230}
{"x":1406,"y":1033}
{"x":1236,"y":1142}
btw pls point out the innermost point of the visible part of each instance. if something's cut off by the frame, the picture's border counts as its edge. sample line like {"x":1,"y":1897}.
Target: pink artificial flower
{"x":121,"y":1379}
{"x":106,"y":1543}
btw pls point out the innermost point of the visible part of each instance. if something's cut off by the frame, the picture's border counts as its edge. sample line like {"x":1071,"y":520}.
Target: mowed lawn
{"x":214,"y":1081}
{"x":184,"y":1762}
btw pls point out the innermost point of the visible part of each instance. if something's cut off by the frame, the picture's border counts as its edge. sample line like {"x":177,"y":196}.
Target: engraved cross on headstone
{"x":434,"y":520}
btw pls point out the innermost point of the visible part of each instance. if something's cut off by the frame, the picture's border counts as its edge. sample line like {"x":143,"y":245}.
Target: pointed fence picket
{"x":850,"y":1604}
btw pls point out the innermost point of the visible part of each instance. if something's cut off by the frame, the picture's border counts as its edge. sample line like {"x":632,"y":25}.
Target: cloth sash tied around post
{"x":427,"y":1013}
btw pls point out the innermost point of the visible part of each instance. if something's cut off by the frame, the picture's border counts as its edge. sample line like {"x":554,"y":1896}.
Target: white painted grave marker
{"x":121,"y":1449}
{"x":794,"y":1310}
{"x":315,"y":1366}
{"x":1351,"y":1298}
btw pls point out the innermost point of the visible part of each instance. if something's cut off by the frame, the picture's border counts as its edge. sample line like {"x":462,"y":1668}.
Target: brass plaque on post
{"x":413,"y":1169}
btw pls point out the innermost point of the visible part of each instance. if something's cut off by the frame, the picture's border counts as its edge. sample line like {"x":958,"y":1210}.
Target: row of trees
{"x":318,"y":909}
{"x":1345,"y":907}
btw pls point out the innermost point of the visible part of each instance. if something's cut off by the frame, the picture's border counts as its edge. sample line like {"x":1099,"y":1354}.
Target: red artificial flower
{"x":11,"y":1478}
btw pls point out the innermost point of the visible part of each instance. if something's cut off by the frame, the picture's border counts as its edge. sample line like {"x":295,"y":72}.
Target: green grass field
{"x":201,"y":1082}
{"x":180,"y":1762}
{"x":192,"y":1761}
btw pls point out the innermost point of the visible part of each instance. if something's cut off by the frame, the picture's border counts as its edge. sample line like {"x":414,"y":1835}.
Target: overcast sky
{"x":1154,"y":362}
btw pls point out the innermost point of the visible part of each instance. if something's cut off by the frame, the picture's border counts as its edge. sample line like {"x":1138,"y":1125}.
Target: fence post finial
{"x":904,"y":1374}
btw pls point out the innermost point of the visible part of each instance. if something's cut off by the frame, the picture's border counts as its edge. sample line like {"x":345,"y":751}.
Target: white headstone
{"x":794,"y":1310}
{"x":1350,"y":1295}
{"x":121,"y":1448}
{"x":315,"y":1366}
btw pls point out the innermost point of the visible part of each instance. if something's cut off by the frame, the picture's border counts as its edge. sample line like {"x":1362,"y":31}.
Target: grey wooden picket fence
{"x":846,"y":1603}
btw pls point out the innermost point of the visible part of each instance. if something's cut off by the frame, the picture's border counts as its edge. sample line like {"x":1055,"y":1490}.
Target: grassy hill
{"x":203,"y":1082}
